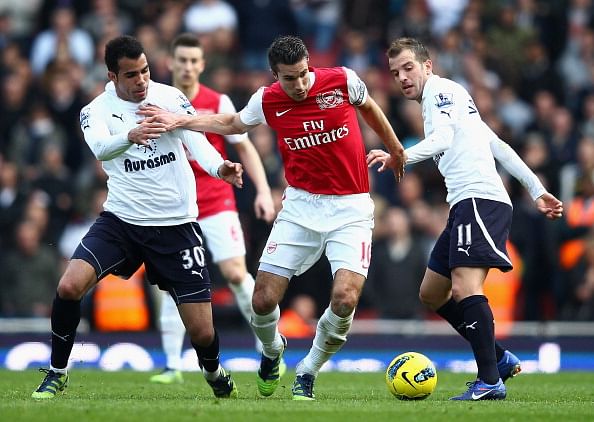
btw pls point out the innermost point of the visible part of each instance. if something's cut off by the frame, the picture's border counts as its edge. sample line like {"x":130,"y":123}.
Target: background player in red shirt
{"x":218,"y":215}
{"x":326,"y":208}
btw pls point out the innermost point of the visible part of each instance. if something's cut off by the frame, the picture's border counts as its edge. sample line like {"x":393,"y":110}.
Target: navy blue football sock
{"x":208,"y":357}
{"x":453,"y":315}
{"x":65,"y":318}
{"x":480,"y":332}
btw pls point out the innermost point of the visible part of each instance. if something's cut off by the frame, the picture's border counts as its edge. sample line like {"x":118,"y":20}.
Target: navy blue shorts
{"x":475,"y":236}
{"x":173,"y":256}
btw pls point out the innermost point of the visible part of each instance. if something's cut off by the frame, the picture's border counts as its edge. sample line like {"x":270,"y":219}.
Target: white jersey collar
{"x":431,"y":81}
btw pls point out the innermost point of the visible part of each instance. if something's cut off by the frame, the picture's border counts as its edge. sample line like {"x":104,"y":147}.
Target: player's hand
{"x":146,"y":131}
{"x":232,"y":173}
{"x":264,"y":207}
{"x":549,"y":206}
{"x":387,"y":161}
{"x":154,"y":114}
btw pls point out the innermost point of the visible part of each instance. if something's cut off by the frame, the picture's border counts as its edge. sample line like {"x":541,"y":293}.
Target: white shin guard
{"x":331,"y":334}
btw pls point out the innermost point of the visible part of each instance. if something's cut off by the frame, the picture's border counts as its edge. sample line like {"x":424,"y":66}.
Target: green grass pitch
{"x":128,"y":396}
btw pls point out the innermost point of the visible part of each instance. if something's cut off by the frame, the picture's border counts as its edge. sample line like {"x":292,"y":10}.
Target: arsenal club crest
{"x":330,"y":99}
{"x":271,"y":247}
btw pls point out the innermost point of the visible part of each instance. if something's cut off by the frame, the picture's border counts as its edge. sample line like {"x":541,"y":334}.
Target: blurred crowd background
{"x":529,"y":65}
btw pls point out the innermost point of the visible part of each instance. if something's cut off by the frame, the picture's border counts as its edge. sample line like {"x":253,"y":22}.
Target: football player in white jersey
{"x":464,"y":149}
{"x":150,"y":213}
{"x":218,"y":217}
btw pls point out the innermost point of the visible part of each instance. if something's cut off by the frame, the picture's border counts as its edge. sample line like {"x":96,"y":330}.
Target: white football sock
{"x":58,"y":371}
{"x":172,"y":332}
{"x":243,"y":296}
{"x":331,"y":334}
{"x":266,"y":328}
{"x":211,"y":376}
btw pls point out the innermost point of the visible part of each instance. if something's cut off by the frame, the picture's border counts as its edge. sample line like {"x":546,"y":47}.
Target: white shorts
{"x":223,"y":234}
{"x":309,"y":224}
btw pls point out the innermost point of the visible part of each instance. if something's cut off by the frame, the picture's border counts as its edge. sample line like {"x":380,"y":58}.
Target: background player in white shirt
{"x":218,"y":217}
{"x":464,"y":148}
{"x":326,"y":208}
{"x":150,"y":213}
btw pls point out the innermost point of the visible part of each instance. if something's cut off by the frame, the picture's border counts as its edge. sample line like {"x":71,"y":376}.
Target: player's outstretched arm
{"x":549,"y":206}
{"x":222,"y":123}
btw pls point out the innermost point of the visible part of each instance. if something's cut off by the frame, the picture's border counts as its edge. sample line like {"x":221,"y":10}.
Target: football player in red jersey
{"x":218,"y":215}
{"x":326,"y":207}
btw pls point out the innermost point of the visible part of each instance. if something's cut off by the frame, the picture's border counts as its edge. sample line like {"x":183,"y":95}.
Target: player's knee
{"x":70,"y":288}
{"x":233,"y":270}
{"x":201,"y":335}
{"x":262,"y":303}
{"x":234,"y":276}
{"x":344,"y":302}
{"x":430,"y":299}
{"x":262,"y":300}
{"x":459,"y":293}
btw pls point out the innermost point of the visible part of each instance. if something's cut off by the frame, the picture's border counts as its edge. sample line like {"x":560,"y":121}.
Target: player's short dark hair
{"x":120,"y":47}
{"x":286,"y":49}
{"x":185,"y":39}
{"x":412,"y":44}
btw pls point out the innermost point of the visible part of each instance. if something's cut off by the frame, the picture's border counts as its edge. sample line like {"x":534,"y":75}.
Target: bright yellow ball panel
{"x":411,"y":376}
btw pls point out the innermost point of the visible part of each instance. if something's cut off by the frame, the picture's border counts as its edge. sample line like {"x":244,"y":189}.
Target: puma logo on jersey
{"x":280,"y":113}
{"x":121,"y":116}
{"x":466,"y":251}
{"x":445,"y":112}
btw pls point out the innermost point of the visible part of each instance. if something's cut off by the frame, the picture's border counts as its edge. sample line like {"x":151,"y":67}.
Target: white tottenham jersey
{"x":464,"y":147}
{"x":148,"y":185}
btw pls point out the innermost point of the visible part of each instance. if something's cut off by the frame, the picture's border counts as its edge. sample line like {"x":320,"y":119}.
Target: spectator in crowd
{"x":579,"y":306}
{"x":208,"y":16}
{"x":62,"y":41}
{"x":400,"y":252}
{"x":105,"y":20}
{"x":29,"y":274}
{"x":317,"y":21}
{"x":255,"y":37}
{"x":13,"y":197}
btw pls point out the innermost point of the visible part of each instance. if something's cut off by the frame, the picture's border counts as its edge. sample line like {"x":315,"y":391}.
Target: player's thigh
{"x":224,"y":236}
{"x":293,"y":247}
{"x":108,"y":248}
{"x":439,"y":259}
{"x":177,"y":263}
{"x":349,"y":248}
{"x":479,"y":233}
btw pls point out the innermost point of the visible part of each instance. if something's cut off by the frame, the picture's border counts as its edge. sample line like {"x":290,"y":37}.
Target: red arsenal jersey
{"x":319,"y":138}
{"x":214,"y":195}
